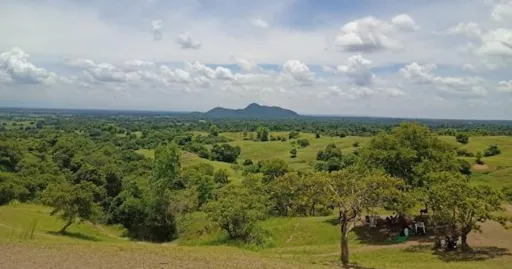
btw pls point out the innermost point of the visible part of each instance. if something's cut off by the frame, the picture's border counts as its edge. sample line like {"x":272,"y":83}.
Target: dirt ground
{"x":31,"y":256}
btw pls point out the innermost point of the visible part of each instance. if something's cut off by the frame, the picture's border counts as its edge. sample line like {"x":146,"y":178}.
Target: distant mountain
{"x":252,"y":111}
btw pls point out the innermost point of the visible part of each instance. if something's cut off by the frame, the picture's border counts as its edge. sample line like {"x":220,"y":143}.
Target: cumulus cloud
{"x":469,"y":67}
{"x":502,"y":10}
{"x":404,"y":22}
{"x":247,"y":65}
{"x":157,"y":26}
{"x":186,"y":41}
{"x":497,"y":42}
{"x":359,"y":70}
{"x":470,"y":29}
{"x":15,"y":67}
{"x":258,"y":22}
{"x":370,"y":34}
{"x":445,"y":86}
{"x":297,"y":70}
{"x":505,"y":86}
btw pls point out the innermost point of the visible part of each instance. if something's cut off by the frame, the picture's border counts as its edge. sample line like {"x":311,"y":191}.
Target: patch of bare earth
{"x":480,"y":167}
{"x":28,"y":256}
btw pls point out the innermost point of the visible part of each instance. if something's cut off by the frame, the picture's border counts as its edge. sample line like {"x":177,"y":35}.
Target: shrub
{"x":293,"y":135}
{"x":293,"y":153}
{"x":462,"y":138}
{"x":465,"y":153}
{"x":492,"y":151}
{"x":248,"y":162}
{"x":303,"y":143}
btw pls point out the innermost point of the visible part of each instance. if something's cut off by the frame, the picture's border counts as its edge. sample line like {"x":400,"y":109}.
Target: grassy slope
{"x":298,"y":243}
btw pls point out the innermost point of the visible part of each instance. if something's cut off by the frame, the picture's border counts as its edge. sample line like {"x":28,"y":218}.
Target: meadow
{"x":28,"y":230}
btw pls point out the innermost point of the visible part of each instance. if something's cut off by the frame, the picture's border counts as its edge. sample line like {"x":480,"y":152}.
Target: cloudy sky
{"x":417,"y":58}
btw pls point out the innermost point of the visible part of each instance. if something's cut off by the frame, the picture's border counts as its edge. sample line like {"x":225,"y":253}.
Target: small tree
{"x":293,"y":153}
{"x":262,"y":133}
{"x":237,"y":210}
{"x":462,"y":138}
{"x":293,"y":135}
{"x":303,"y":143}
{"x":479,"y":158}
{"x":353,"y":192}
{"x":221,"y":177}
{"x":214,"y":130}
{"x":492,"y":151}
{"x":355,"y":144}
{"x":72,"y":202}
{"x":317,"y":135}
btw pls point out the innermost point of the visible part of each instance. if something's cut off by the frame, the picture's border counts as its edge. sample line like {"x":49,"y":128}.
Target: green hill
{"x":252,"y":111}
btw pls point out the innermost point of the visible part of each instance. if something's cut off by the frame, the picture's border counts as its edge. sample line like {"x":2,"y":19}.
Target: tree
{"x":352,"y":192}
{"x":221,"y":177}
{"x":166,"y":169}
{"x":214,"y":130}
{"x":411,"y":151}
{"x":272,"y":169}
{"x":317,"y":135}
{"x":303,"y":143}
{"x":355,"y":144}
{"x":73,"y":202}
{"x":225,"y":153}
{"x":462,"y":138}
{"x":331,"y":151}
{"x":237,"y":210}
{"x":293,"y":135}
{"x":262,"y":133}
{"x":492,"y":151}
{"x":293,"y":153}
{"x":460,"y":206}
{"x":478,"y":159}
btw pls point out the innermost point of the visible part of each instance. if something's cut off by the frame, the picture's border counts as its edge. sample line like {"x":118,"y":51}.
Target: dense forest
{"x":87,"y":167}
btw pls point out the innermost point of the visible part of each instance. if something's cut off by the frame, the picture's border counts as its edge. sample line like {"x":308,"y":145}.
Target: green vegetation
{"x":102,"y":180}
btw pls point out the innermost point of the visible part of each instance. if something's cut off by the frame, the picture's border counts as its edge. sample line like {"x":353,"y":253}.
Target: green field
{"x":297,"y":243}
{"x":311,"y":242}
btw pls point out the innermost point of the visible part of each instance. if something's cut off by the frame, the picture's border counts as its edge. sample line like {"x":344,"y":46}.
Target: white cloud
{"x":136,"y":64}
{"x":470,"y":29}
{"x":404,"y":22}
{"x":157,"y":29}
{"x":505,"y":86}
{"x":358,"y":69}
{"x":446,"y":86}
{"x":370,"y":34}
{"x":469,"y":67}
{"x":298,"y":70}
{"x":258,"y":22}
{"x":186,"y":41}
{"x":502,"y":10}
{"x":497,"y":43}
{"x":247,"y":65}
{"x":15,"y":67}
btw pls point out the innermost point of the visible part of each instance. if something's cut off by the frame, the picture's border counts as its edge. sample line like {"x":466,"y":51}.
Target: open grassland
{"x":497,"y":170}
{"x":297,"y":243}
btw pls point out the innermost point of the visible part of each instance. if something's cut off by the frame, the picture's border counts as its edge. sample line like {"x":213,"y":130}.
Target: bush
{"x":355,"y":144}
{"x":317,"y":135}
{"x":293,"y":153}
{"x":293,"y":135}
{"x":225,"y":153}
{"x":479,"y":158}
{"x":237,"y":211}
{"x":462,"y":138}
{"x":248,"y":162}
{"x":221,"y":177}
{"x":464,"y":153}
{"x":507,"y":192}
{"x":492,"y":151}
{"x":303,"y":143}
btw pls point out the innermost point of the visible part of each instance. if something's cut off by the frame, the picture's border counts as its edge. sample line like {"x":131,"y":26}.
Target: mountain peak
{"x":253,"y":110}
{"x":253,"y":105}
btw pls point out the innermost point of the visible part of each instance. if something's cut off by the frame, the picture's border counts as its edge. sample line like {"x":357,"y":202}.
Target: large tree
{"x":410,"y":152}
{"x":354,"y":191}
{"x":459,"y":206}
{"x":166,"y":169}
{"x":72,"y":202}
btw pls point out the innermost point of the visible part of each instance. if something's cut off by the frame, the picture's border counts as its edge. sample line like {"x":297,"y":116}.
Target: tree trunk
{"x":344,"y":243}
{"x":437,"y":244}
{"x":464,"y":241}
{"x":63,"y":230}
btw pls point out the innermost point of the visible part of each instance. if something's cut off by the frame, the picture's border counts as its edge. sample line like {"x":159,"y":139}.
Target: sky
{"x":388,"y":58}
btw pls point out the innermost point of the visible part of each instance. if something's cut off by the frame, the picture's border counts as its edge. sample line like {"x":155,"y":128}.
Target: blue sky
{"x":418,"y":58}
